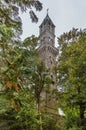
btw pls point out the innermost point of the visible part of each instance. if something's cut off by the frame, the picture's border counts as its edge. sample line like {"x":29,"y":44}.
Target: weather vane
{"x":47,"y":10}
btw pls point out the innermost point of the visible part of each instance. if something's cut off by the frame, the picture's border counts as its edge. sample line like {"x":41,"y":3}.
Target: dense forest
{"x":23,"y":76}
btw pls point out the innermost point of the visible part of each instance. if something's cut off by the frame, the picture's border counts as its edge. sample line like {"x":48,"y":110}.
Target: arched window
{"x":51,"y":76}
{"x":49,"y":39}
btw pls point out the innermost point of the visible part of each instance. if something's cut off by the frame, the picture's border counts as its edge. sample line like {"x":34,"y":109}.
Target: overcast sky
{"x":65,"y":14}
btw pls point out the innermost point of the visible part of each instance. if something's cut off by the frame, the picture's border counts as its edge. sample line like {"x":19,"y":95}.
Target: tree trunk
{"x":39,"y":112}
{"x":82,"y":116}
{"x":38,"y":104}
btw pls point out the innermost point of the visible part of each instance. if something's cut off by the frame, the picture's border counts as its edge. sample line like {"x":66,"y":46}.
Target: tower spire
{"x":47,"y":10}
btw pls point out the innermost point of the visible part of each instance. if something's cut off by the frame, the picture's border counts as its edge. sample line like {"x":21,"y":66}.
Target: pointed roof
{"x":47,"y":19}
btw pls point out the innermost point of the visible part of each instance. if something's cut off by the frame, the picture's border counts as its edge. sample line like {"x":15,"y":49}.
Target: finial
{"x":47,"y":11}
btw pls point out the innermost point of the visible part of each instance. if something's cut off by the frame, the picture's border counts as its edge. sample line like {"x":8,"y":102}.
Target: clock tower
{"x":48,"y":51}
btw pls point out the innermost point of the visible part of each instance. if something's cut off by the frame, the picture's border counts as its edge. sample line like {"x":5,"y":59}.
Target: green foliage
{"x":49,"y":123}
{"x":9,"y":11}
{"x":25,"y":114}
{"x":17,"y":70}
{"x":28,"y":112}
{"x":52,"y":122}
{"x":72,"y":77}
{"x":17,"y":62}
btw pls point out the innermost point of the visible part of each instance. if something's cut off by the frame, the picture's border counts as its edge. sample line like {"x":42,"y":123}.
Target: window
{"x":49,"y":39}
{"x":51,"y":62}
{"x":52,"y":77}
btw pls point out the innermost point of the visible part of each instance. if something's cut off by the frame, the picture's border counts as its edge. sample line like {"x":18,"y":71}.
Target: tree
{"x":25,"y":118}
{"x":16,"y":84}
{"x":10,"y":44}
{"x":72,"y":76}
{"x":14,"y":67}
{"x":9,"y":11}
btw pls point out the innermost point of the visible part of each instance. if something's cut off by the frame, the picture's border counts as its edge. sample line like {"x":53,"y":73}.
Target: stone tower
{"x":47,"y":49}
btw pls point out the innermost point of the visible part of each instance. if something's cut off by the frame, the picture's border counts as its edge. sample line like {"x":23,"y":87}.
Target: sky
{"x":65,"y":14}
